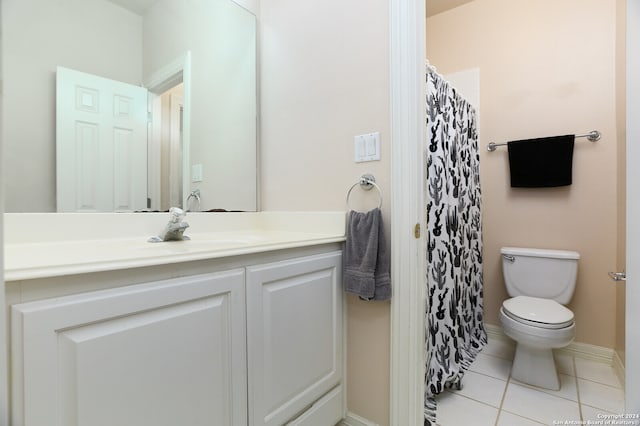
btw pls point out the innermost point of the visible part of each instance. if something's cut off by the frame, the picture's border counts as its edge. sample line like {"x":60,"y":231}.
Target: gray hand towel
{"x":366,"y":263}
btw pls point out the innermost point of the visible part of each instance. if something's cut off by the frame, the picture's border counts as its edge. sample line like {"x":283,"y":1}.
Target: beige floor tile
{"x":481,"y":388}
{"x":456,"y":410}
{"x":493,"y":366}
{"x":539,"y":406}
{"x":601,"y":396}
{"x":597,"y":372}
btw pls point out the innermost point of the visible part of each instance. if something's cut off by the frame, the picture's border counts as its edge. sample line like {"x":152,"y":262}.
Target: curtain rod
{"x":593,"y":136}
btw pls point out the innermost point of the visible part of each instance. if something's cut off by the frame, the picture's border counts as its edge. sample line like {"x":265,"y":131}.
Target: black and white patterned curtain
{"x":454,"y":317}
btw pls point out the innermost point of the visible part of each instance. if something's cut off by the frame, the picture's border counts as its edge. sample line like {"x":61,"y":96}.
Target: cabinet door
{"x":294,"y":336}
{"x":163,"y":353}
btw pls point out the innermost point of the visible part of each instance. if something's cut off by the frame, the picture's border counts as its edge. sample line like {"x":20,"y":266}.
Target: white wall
{"x":92,"y":36}
{"x":221,"y":38}
{"x":467,"y":83}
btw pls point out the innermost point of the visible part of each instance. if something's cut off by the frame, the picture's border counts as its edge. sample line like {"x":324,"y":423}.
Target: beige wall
{"x":325,"y":79}
{"x":546,"y":68}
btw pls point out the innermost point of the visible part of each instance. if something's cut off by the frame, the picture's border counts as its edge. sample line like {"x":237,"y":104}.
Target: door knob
{"x":618,"y":276}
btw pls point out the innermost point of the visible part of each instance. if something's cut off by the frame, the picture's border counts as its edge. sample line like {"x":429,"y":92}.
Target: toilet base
{"x":535,"y":366}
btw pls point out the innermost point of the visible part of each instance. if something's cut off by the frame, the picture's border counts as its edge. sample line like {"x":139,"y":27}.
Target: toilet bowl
{"x":553,"y":327}
{"x":540,"y":282}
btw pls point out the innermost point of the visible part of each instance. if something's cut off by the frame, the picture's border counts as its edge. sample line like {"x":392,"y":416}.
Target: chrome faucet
{"x":174,"y":229}
{"x":195,"y":194}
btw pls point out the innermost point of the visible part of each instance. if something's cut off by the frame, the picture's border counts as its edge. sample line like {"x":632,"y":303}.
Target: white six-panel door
{"x":101,"y":143}
{"x":159,"y":354}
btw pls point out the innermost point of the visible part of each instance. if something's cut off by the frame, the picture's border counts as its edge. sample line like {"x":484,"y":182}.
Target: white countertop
{"x":48,"y":245}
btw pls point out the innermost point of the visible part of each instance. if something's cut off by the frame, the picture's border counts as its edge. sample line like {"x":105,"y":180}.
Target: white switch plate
{"x":367,"y":147}
{"x":196,"y":173}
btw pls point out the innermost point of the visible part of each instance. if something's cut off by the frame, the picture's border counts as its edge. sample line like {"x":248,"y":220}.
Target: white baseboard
{"x":618,"y":366}
{"x":495,"y":332}
{"x":576,"y":349}
{"x":587,"y":351}
{"x":355,"y":420}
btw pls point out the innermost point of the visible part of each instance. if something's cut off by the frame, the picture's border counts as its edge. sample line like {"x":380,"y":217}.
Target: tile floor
{"x":489,"y":396}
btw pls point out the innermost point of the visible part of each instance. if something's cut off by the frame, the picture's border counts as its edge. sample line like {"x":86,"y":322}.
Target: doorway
{"x":165,"y":147}
{"x":169,"y":130}
{"x":407,"y":54}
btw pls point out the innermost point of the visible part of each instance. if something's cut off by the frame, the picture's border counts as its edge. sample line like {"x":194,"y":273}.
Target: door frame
{"x":176,"y":160}
{"x":408,"y":262}
{"x":4,"y":354}
{"x":175,"y":72}
{"x":632,"y":289}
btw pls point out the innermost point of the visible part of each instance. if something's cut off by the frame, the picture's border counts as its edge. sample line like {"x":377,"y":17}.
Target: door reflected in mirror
{"x":209,"y":129}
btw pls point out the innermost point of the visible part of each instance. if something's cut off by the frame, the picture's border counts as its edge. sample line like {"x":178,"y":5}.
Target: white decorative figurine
{"x":174,"y":230}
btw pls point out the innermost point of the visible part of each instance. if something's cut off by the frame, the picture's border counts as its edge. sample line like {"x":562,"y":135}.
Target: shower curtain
{"x":454,"y":316}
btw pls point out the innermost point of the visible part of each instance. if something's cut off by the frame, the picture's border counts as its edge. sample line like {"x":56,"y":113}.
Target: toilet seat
{"x":537,"y":312}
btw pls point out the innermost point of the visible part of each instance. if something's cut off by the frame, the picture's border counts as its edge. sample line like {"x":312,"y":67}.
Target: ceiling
{"x":433,"y":6}
{"x":136,"y":6}
{"x":438,"y":6}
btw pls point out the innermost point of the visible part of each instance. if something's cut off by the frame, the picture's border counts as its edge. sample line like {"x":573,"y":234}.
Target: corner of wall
{"x":252,"y":6}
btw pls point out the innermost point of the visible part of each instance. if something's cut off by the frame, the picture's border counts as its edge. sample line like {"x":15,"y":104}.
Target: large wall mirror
{"x":195,"y":62}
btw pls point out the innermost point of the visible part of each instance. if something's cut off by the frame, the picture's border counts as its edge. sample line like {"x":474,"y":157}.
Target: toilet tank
{"x":548,"y":274}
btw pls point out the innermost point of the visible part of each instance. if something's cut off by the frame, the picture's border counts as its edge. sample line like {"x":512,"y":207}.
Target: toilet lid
{"x":543,"y":313}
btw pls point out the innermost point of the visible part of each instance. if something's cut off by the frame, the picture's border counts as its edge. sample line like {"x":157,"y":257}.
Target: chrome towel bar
{"x":592,"y":136}
{"x":618,"y":276}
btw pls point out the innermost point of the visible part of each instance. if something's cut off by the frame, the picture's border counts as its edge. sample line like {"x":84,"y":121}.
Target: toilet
{"x":539,"y":282}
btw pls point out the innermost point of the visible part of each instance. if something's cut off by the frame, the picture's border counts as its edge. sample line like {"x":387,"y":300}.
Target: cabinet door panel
{"x":294,"y":325}
{"x":326,"y":411}
{"x":153,"y":354}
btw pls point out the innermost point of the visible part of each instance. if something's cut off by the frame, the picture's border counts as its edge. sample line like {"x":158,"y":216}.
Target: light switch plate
{"x":367,"y":147}
{"x":196,"y":173}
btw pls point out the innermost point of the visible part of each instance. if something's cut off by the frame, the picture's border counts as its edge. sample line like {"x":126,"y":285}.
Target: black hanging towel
{"x":542,"y":162}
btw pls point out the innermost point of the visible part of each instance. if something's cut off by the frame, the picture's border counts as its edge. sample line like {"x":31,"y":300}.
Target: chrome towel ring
{"x":366,"y":182}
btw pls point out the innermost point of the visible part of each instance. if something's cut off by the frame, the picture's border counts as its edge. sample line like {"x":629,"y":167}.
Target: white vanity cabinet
{"x":247,"y":341}
{"x":163,"y":353}
{"x":294,"y":340}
